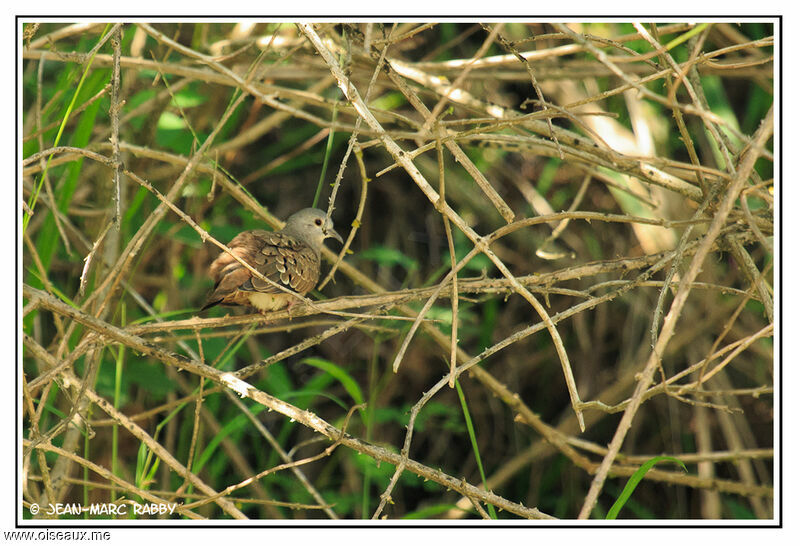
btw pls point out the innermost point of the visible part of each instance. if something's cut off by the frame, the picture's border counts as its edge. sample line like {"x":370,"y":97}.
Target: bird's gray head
{"x":311,"y":226}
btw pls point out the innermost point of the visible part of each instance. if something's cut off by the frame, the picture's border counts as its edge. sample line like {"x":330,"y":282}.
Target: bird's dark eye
{"x":318,"y":222}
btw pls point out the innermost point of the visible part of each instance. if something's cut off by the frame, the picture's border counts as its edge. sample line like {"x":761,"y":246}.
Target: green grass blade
{"x":237,"y":423}
{"x":328,"y":148}
{"x":48,"y":237}
{"x":474,"y":441}
{"x":119,"y":365}
{"x":685,"y":36}
{"x":34,"y":196}
{"x":634,"y":481}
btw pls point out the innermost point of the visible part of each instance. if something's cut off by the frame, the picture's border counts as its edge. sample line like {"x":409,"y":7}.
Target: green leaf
{"x":171,"y":122}
{"x":189,"y":98}
{"x":340,"y":374}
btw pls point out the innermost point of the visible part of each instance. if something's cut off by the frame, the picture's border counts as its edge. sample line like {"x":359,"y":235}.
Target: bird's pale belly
{"x":268,"y":302}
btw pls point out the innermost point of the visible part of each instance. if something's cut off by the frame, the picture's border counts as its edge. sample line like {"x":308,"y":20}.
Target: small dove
{"x":289,"y":257}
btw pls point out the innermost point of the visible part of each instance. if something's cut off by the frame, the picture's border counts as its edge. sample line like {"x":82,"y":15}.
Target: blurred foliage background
{"x":240,"y":124}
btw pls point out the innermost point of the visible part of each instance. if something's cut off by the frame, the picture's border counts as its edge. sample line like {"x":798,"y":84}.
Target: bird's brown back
{"x":279,"y":257}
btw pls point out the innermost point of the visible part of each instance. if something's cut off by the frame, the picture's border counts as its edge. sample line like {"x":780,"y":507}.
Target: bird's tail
{"x":211,"y":303}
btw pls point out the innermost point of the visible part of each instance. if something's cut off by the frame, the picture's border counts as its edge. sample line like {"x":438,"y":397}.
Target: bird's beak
{"x":332,"y":233}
